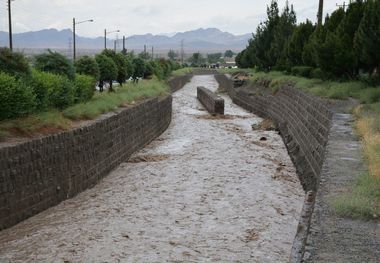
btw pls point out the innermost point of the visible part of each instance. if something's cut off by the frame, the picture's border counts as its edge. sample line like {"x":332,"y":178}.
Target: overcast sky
{"x":147,"y":16}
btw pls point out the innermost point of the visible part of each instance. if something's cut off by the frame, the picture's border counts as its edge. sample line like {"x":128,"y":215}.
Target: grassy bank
{"x":54,"y":120}
{"x":363,"y":199}
{"x":182,"y":71}
{"x":322,"y":88}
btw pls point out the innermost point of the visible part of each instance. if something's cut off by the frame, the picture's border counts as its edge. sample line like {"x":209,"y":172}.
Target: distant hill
{"x":200,"y":39}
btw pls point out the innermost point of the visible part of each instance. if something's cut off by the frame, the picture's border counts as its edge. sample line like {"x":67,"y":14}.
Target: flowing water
{"x":210,"y":189}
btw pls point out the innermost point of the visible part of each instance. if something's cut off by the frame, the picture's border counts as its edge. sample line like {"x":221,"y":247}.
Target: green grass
{"x":106,"y":102}
{"x":182,"y":71}
{"x":54,"y":120}
{"x":44,"y":122}
{"x":363,"y":202}
{"x":233,"y":70}
{"x":318,"y":87}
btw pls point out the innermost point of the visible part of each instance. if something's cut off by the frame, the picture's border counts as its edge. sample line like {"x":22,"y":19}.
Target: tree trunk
{"x":111,"y":88}
{"x":101,"y":84}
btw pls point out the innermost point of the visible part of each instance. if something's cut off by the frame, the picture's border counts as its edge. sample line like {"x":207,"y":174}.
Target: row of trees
{"x":347,"y":44}
{"x":197,"y":59}
{"x":50,"y":80}
{"x":109,"y":66}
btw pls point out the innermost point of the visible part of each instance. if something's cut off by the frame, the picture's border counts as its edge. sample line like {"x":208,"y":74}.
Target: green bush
{"x":52,"y":90}
{"x":42,"y":87}
{"x":302,"y":71}
{"x":84,"y":88}
{"x":13,"y":63}
{"x":87,"y":66}
{"x":318,"y":74}
{"x":157,"y":69}
{"x":16,"y":98}
{"x":56,"y":63}
{"x":63,"y":93}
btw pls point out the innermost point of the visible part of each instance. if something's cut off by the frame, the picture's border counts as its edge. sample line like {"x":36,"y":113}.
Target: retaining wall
{"x":212,"y":102}
{"x":43,"y":172}
{"x":303,"y":120}
{"x":177,"y":83}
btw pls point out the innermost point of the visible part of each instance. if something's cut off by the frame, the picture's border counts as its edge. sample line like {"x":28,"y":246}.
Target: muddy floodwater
{"x":207,"y":190}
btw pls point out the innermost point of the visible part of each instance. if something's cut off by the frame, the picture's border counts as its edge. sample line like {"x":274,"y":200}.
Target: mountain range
{"x":198,"y":40}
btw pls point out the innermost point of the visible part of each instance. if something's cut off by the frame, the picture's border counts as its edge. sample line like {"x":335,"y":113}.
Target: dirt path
{"x":335,"y":239}
{"x":207,"y":190}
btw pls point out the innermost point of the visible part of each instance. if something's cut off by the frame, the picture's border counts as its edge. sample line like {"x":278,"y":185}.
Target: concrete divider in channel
{"x":212,"y":102}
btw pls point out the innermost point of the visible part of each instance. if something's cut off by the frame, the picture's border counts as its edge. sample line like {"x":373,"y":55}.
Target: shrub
{"x":63,"y":93}
{"x":13,"y":63}
{"x":42,"y":87}
{"x":302,"y":71}
{"x":87,"y":66}
{"x":84,"y":88}
{"x":16,"y":98}
{"x":318,"y":74}
{"x":56,"y":63}
{"x":157,"y":70}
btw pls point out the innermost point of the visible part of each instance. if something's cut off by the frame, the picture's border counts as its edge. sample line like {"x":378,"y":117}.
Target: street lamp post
{"x":105,"y":36}
{"x":74,"y":35}
{"x":10,"y":24}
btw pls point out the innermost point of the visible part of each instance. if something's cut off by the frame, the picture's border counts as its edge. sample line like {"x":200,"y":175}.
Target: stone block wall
{"x":213,"y":103}
{"x":177,"y":83}
{"x":41,"y":173}
{"x":303,"y":120}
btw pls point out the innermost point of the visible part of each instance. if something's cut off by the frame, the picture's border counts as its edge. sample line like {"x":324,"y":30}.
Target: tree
{"x":229,"y":54}
{"x":281,"y":34}
{"x":172,"y":55}
{"x":14,"y":63}
{"x":56,"y":63}
{"x":196,"y":59}
{"x":87,"y":66}
{"x":297,"y":42}
{"x":214,"y":58}
{"x":367,"y":38}
{"x":139,"y":68}
{"x":122,"y":68}
{"x":107,"y":70}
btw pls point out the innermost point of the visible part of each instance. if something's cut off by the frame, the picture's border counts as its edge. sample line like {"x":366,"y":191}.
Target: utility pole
{"x":105,"y":38}
{"x":74,"y":35}
{"x":320,"y":13}
{"x":124,"y":51}
{"x":74,"y":41}
{"x":182,"y":51}
{"x":10,"y":24}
